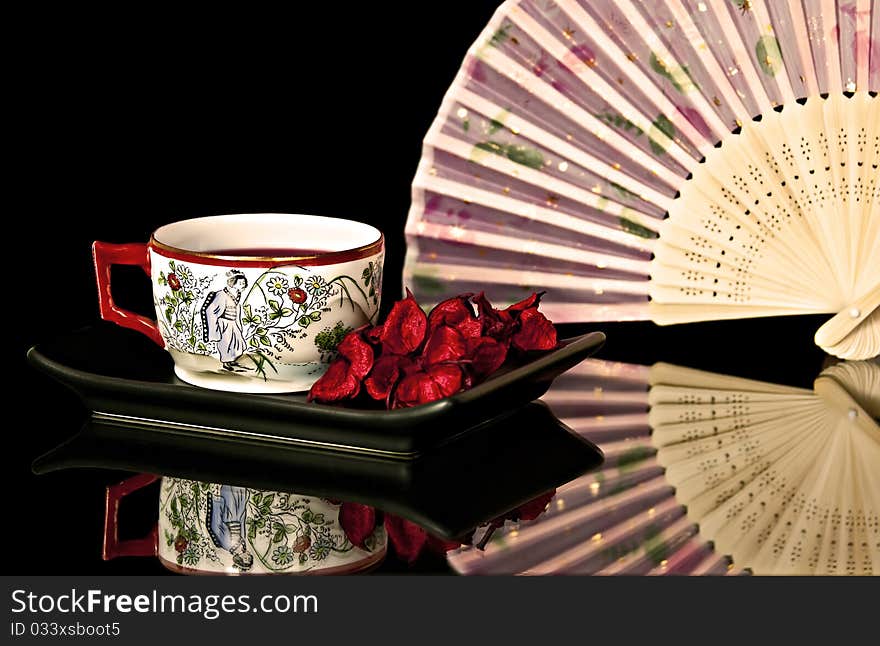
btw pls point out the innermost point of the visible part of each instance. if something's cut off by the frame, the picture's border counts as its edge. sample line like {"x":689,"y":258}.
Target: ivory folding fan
{"x":670,"y":160}
{"x":721,"y":475}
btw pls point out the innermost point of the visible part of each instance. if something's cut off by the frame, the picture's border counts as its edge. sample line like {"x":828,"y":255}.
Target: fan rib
{"x":740,"y":53}
{"x":799,"y":23}
{"x":498,"y":241}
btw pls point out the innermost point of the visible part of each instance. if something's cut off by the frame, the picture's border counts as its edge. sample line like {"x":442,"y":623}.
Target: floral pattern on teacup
{"x":223,"y":528}
{"x":251,"y":323}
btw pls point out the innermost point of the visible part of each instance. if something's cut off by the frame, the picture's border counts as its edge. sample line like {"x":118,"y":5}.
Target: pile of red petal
{"x":414,"y":358}
{"x":410,"y":540}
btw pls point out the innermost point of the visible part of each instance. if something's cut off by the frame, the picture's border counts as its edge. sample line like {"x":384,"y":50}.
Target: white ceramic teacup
{"x":206,"y":528}
{"x":252,"y":302}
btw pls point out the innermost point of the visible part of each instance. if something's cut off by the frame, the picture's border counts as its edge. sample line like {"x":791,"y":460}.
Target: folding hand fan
{"x":783,"y":480}
{"x":668,"y":160}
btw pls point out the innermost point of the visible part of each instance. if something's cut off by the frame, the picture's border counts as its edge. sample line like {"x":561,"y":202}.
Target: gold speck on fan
{"x":632,"y":57}
{"x":803,"y":80}
{"x":716,"y":101}
{"x":620,"y":80}
{"x":745,"y":6}
{"x":597,"y":189}
{"x":596,"y":537}
{"x":615,"y":166}
{"x":768,"y":61}
{"x":594,"y":488}
{"x":568,"y":32}
{"x":601,"y":264}
{"x":514,"y":40}
{"x":739,"y":124}
{"x":568,"y":137}
{"x":432,"y":171}
{"x":552,"y":200}
{"x":670,"y":24}
{"x":514,"y":130}
{"x":599,"y":291}
{"x":506,"y":190}
{"x":773,"y":104}
{"x":560,"y":503}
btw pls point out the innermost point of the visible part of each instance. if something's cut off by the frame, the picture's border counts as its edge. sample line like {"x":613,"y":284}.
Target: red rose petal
{"x":497,"y":324}
{"x":428,"y":385}
{"x":444,"y":344}
{"x":373,"y":335}
{"x":407,"y":538}
{"x":410,"y":366}
{"x":336,"y":384}
{"x":404,"y":329}
{"x":531,"y":301}
{"x":486,"y":355}
{"x":458,"y":314}
{"x":358,"y":352}
{"x":407,"y":392}
{"x":440,"y":545}
{"x":357,"y":521}
{"x":536,"y":332}
{"x":533,"y":508}
{"x":385,"y":373}
{"x":447,"y":380}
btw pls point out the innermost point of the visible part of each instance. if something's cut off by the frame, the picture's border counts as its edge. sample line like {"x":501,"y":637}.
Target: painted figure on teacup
{"x":221,"y":322}
{"x":226,"y":520}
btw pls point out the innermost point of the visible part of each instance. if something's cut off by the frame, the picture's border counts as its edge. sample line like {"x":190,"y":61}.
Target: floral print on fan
{"x":769,"y":55}
{"x":678,"y":75}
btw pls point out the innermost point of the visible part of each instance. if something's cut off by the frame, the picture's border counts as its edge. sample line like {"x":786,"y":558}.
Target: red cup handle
{"x":113,"y":547}
{"x":106,"y":255}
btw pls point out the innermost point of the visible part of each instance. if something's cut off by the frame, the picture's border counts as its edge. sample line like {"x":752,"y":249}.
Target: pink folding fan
{"x":669,"y":160}
{"x":721,"y":475}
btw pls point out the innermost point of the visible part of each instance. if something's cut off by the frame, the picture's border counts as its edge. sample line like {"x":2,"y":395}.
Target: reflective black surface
{"x":449,"y":491}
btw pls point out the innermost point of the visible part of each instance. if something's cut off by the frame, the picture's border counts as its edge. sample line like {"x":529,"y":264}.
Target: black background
{"x":131,"y":121}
